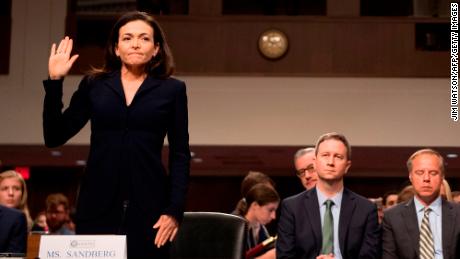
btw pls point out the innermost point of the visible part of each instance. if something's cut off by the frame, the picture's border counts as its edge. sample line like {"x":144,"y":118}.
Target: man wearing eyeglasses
{"x":426,"y":226}
{"x":305,"y":170}
{"x":57,"y":214}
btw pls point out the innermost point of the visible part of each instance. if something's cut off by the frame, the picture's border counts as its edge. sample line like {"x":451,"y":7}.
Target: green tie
{"x":328,"y":230}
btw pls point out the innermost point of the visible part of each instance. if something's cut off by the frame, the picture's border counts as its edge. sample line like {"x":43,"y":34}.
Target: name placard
{"x":83,"y":246}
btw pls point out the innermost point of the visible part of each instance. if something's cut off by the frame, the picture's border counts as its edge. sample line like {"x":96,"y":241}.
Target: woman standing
{"x":132,"y":103}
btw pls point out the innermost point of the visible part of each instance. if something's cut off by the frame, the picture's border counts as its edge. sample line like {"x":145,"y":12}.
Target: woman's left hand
{"x":167,"y":229}
{"x":60,"y":62}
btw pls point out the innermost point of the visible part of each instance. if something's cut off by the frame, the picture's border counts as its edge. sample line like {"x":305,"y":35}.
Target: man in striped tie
{"x":425,"y":227}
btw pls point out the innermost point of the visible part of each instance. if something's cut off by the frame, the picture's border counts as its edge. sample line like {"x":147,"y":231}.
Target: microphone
{"x":123,"y":217}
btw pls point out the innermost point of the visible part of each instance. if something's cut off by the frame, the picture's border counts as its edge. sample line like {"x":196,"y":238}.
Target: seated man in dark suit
{"x":426,"y":226}
{"x":13,"y":231}
{"x":329,"y":221}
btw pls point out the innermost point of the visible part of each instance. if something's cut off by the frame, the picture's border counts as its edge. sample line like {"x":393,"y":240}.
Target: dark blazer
{"x":125,"y":157}
{"x":300,"y":234}
{"x":401,"y":231}
{"x":13,"y":231}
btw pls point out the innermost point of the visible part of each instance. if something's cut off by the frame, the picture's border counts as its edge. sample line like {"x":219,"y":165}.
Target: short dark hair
{"x":336,"y":136}
{"x":388,"y":193}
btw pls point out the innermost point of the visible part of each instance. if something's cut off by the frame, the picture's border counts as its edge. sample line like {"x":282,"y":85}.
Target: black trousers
{"x":132,"y":222}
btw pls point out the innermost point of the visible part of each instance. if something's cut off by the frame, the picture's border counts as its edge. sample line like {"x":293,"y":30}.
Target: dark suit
{"x":300,"y":234}
{"x":13,"y":231}
{"x":401,"y":231}
{"x":125,"y":187}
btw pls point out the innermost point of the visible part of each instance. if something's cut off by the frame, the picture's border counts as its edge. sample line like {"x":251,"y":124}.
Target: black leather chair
{"x":210,"y":235}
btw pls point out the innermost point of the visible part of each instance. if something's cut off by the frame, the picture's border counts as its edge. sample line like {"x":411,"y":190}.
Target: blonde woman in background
{"x":13,"y":193}
{"x":446,"y":192}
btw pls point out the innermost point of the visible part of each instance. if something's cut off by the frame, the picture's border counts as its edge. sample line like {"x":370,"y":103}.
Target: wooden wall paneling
{"x":343,"y":8}
{"x":205,"y":7}
{"x":223,"y":160}
{"x":318,"y":46}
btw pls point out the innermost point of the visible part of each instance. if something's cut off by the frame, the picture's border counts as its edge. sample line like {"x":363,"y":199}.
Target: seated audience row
{"x":15,"y":220}
{"x":327,"y":220}
{"x":330,"y":221}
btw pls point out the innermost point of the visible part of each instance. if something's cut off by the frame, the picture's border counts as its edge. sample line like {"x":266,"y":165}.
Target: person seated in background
{"x":426,"y":226}
{"x":406,"y":194}
{"x":259,"y":209}
{"x":13,"y":231}
{"x":329,"y":221}
{"x":456,"y":196}
{"x":251,"y":179}
{"x":390,"y":199}
{"x":13,"y":193}
{"x":40,"y":223}
{"x":303,"y":161}
{"x":57,"y":214}
{"x":446,"y":193}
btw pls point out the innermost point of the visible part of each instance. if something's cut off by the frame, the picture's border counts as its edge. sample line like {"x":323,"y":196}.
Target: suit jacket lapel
{"x":448,"y":218}
{"x":346,"y":213}
{"x":148,"y":84}
{"x":312,"y":208}
{"x":409,"y":216}
{"x":114,"y":83}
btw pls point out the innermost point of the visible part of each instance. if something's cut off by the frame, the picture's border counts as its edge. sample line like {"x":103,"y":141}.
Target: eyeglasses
{"x":301,"y":172}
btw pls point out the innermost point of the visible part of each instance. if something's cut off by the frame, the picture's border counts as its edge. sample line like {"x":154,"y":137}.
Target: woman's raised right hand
{"x":60,"y":61}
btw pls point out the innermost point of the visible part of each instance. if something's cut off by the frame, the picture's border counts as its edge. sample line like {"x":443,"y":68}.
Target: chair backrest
{"x":210,"y":235}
